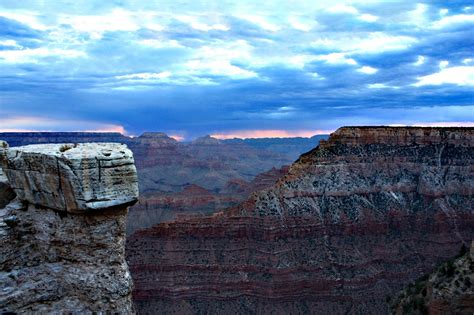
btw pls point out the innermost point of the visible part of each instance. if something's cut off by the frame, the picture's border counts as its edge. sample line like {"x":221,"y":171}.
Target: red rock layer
{"x":194,"y":200}
{"x":353,"y":222}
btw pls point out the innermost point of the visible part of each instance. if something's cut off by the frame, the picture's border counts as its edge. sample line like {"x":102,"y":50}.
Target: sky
{"x":234,"y":68}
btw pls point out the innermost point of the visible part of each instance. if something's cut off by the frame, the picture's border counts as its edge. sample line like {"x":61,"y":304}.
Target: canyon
{"x":351,"y":223}
{"x":189,"y":178}
{"x":63,"y":228}
{"x":343,"y":229}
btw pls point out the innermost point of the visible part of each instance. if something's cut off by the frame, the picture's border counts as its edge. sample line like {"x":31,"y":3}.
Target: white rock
{"x":73,"y":177}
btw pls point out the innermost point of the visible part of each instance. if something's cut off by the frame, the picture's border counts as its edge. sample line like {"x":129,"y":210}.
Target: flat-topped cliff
{"x":62,"y":231}
{"x":351,"y":223}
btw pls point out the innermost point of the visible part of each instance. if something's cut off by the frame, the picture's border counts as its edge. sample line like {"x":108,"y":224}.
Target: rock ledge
{"x":73,"y":177}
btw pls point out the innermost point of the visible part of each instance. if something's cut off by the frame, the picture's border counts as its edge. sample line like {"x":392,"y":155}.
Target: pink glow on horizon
{"x":177,"y":137}
{"x":107,"y":128}
{"x":44,"y":124}
{"x":276,"y":133}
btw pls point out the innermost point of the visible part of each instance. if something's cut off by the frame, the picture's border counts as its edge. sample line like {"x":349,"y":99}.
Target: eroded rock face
{"x":353,"y":221}
{"x":63,"y":251}
{"x":73,"y":177}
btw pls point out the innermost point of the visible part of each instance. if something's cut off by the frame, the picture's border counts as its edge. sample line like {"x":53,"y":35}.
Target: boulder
{"x":73,"y":177}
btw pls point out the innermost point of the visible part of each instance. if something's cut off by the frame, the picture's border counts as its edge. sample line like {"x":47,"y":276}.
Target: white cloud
{"x":419,"y":61}
{"x":418,"y":15}
{"x":260,"y":21}
{"x":367,"y":70}
{"x":377,"y":86}
{"x":165,"y":43}
{"x":116,"y":20}
{"x":217,"y":67}
{"x":453,"y":20}
{"x":368,"y":17}
{"x":219,"y":59}
{"x":347,"y":9}
{"x":374,"y":42}
{"x":342,"y":8}
{"x":443,"y":12}
{"x":34,"y":55}
{"x":443,"y":64}
{"x":197,"y":24}
{"x":467,"y":61}
{"x":301,"y":23}
{"x":336,"y":59}
{"x":463,"y":76}
{"x":145,"y":76}
{"x":10,"y":43}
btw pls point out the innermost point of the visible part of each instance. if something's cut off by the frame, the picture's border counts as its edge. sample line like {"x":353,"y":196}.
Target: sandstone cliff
{"x":62,"y":231}
{"x":352,"y":222}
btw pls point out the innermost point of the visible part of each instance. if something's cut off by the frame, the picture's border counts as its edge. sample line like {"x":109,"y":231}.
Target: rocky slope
{"x":447,"y":290}
{"x":352,"y":222}
{"x":62,"y":230}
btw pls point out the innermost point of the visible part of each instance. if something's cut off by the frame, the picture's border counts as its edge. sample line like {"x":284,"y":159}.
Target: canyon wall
{"x":188,"y":178}
{"x":353,"y":222}
{"x":62,"y":228}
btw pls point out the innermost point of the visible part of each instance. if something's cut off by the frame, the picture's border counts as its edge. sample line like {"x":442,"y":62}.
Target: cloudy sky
{"x":274,"y":68}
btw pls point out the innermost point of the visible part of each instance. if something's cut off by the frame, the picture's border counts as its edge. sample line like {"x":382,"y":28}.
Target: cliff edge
{"x":62,"y":228}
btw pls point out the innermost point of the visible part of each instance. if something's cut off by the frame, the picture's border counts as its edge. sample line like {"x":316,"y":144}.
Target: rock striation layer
{"x":353,"y":221}
{"x":62,"y":238}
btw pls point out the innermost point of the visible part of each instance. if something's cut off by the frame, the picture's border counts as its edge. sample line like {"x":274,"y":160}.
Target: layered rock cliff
{"x":62,"y":230}
{"x":353,"y":221}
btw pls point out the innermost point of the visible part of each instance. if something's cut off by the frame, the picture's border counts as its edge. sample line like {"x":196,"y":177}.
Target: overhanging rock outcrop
{"x":73,"y":177}
{"x":62,"y":238}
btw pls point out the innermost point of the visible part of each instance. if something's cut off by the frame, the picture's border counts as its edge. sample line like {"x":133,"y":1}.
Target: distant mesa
{"x":207,"y":140}
{"x":160,"y":137}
